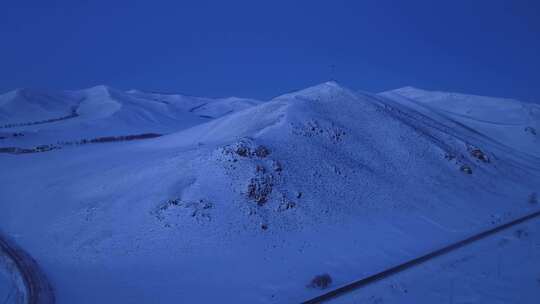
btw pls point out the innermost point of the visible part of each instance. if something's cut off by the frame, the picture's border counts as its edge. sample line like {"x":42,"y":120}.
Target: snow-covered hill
{"x":43,"y":117}
{"x":250,"y":206}
{"x":510,"y":122}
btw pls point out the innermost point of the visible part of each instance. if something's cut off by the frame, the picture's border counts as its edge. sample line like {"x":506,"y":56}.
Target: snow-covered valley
{"x":245,"y":201}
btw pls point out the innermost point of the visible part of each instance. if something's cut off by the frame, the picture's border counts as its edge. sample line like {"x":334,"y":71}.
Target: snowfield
{"x":244,"y":201}
{"x":501,"y":269}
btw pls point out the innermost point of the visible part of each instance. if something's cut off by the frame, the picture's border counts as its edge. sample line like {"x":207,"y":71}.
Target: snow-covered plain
{"x":501,"y":269}
{"x":246,"y":201}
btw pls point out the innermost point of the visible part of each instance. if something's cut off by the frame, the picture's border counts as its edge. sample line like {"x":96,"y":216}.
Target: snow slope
{"x":510,"y":122}
{"x":249,"y":207}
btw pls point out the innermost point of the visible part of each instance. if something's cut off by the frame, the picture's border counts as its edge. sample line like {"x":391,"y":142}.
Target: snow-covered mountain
{"x":47,"y":117}
{"x":249,"y":202}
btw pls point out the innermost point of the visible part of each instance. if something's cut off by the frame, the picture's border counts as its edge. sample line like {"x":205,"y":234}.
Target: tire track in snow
{"x":417,"y":261}
{"x":38,"y":289}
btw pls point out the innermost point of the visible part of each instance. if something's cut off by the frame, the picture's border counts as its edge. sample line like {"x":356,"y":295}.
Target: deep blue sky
{"x":263,"y":48}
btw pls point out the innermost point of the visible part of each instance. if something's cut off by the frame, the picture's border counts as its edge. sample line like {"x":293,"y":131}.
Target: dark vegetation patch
{"x":8,"y":135}
{"x":37,"y":149}
{"x":49,"y":147}
{"x":199,"y":210}
{"x":73,"y":114}
{"x":260,"y":188}
{"x":107,"y":139}
{"x":321,"y":281}
{"x":313,"y":128}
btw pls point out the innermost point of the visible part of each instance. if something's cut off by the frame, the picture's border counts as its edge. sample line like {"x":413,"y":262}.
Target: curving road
{"x":37,"y":287}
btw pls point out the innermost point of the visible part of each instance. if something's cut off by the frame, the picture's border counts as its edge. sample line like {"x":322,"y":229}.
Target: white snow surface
{"x":500,"y":269}
{"x":248,"y":203}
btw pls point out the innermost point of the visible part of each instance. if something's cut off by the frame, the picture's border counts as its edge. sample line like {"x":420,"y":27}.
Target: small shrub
{"x":321,"y":281}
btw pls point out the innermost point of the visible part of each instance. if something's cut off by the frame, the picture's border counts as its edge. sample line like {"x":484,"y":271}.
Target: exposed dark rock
{"x":259,"y":188}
